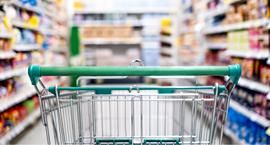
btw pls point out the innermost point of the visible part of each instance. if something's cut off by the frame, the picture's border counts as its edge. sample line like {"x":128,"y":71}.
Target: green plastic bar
{"x":233,"y":71}
{"x":160,"y":89}
{"x":162,"y":141}
{"x":114,"y":141}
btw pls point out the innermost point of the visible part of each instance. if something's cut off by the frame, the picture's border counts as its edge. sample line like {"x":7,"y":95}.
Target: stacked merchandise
{"x":236,"y":31}
{"x":188,"y":39}
{"x":17,"y":114}
{"x":167,"y":49}
{"x":239,"y":34}
{"x":110,"y":35}
{"x":55,"y":31}
{"x":133,"y":18}
{"x":247,"y":129}
{"x":150,"y":44}
{"x":28,"y":34}
{"x":247,"y":11}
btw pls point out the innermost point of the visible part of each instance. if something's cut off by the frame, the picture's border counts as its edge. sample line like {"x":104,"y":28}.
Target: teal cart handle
{"x":233,"y":71}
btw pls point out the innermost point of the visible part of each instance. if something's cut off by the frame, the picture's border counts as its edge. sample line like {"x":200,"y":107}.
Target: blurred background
{"x":115,"y":32}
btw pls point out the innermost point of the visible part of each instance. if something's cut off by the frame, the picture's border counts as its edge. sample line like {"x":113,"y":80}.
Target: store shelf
{"x":253,"y":85}
{"x":25,"y":26}
{"x":88,"y":23}
{"x":17,"y":98}
{"x":217,"y":46}
{"x":166,"y":39}
{"x":235,"y":1}
{"x":5,"y":35}
{"x":238,"y":26}
{"x":220,"y":10}
{"x":166,"y":51}
{"x":26,"y":47}
{"x":250,"y":114}
{"x":59,"y":50}
{"x":249,"y":54}
{"x":7,"y":55}
{"x":20,"y":127}
{"x":20,"y":96}
{"x":233,"y":136}
{"x":27,"y":7}
{"x":11,"y":73}
{"x":48,"y":31}
{"x":130,"y":11}
{"x":114,"y":41}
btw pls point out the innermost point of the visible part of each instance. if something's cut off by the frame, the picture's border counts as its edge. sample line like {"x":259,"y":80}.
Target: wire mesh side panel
{"x":145,"y":117}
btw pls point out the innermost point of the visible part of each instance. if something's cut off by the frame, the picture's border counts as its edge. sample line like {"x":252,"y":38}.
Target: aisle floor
{"x":33,"y":135}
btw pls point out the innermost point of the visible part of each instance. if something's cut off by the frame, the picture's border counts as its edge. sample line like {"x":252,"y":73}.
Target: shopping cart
{"x":134,"y":114}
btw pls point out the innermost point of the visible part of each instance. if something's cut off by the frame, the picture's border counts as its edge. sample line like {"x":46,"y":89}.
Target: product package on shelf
{"x":247,"y":130}
{"x":109,"y":31}
{"x":254,"y":39}
{"x":253,"y":100}
{"x":237,"y":32}
{"x":247,"y":11}
{"x":13,"y":116}
{"x":254,"y":69}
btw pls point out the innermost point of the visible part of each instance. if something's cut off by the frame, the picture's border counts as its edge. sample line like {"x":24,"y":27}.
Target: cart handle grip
{"x":233,"y":71}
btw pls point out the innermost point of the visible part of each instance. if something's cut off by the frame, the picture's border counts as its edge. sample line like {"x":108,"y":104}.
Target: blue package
{"x":28,"y":37}
{"x":24,"y":1}
{"x":33,"y":2}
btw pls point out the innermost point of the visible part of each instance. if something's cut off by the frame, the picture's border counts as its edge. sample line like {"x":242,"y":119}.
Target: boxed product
{"x":107,"y":31}
{"x":265,"y":74}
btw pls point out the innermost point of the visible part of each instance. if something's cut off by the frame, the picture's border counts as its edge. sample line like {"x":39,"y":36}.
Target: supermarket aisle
{"x":159,"y":32}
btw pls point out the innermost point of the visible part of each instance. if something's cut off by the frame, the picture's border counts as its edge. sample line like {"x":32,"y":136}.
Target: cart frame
{"x":55,"y":97}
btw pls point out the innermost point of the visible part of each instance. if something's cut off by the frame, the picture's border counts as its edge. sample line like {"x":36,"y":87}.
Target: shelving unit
{"x":20,"y":49}
{"x":26,"y":47}
{"x":254,"y":85}
{"x":7,"y":55}
{"x":168,"y":41}
{"x":238,"y":26}
{"x":26,"y":7}
{"x":217,"y":46}
{"x":112,"y":41}
{"x":11,"y":73}
{"x":252,"y":115}
{"x":23,"y":25}
{"x":221,"y":10}
{"x":21,"y":95}
{"x":20,"y":127}
{"x":5,"y":35}
{"x":127,"y":11}
{"x":248,"y":54}
{"x":216,"y":29}
{"x":135,"y":17}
